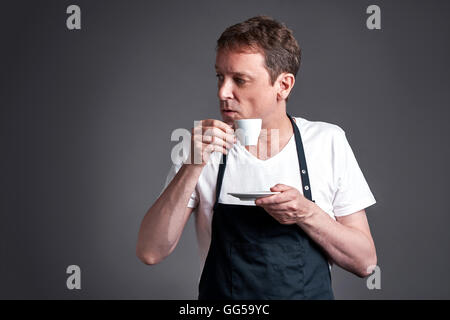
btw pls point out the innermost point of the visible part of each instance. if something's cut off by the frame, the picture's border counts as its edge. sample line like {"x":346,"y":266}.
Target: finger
{"x":274,"y":199}
{"x":209,"y":148}
{"x":229,"y":139}
{"x":217,"y":133}
{"x":216,"y":123}
{"x":221,"y":143}
{"x":208,"y":139}
{"x":200,"y":129}
{"x":277,"y":208}
{"x":217,"y":136}
{"x":280,"y":187}
{"x":215,"y":141}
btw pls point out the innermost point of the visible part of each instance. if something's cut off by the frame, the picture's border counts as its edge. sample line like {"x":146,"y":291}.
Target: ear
{"x":285,"y":83}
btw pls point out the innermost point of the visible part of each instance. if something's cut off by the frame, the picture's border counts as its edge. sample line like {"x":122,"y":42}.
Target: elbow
{"x":148,"y":258}
{"x":152,"y":256}
{"x":367,"y":267}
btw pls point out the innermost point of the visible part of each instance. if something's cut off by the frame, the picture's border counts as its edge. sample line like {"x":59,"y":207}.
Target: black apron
{"x":253,"y":256}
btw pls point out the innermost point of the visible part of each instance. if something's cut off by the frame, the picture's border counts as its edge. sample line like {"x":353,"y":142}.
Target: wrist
{"x":194,"y":166}
{"x":310,"y":215}
{"x":192,"y":161}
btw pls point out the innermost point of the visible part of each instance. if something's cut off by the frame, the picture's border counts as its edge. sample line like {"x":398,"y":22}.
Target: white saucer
{"x":251,"y":196}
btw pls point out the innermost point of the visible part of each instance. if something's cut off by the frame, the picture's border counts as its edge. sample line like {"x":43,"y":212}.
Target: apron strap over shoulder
{"x":302,"y":161}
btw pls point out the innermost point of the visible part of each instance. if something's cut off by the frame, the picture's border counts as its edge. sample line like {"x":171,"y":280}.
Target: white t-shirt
{"x":337,"y":184}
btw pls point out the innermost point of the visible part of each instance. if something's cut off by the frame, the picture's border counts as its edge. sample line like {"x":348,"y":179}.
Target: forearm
{"x":349,"y":248}
{"x":164,"y":222}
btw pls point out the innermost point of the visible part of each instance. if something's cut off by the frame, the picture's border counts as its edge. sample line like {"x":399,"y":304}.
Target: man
{"x":281,"y":246}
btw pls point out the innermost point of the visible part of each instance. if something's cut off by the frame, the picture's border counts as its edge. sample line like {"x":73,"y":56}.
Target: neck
{"x":275,"y":134}
{"x":281,"y":123}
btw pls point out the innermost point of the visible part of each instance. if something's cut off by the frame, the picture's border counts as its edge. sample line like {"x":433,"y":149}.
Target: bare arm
{"x":164,"y":222}
{"x":347,"y":241}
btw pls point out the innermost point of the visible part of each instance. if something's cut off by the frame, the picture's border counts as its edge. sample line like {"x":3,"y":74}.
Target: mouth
{"x":228,"y":112}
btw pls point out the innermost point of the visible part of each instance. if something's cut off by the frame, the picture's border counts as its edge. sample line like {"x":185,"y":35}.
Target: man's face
{"x":244,"y":88}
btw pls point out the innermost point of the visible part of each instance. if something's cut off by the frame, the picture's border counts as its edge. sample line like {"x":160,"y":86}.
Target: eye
{"x":239,"y":81}
{"x":219,"y":77}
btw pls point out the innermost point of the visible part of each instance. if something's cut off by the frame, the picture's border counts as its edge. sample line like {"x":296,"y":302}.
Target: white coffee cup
{"x":248,"y":130}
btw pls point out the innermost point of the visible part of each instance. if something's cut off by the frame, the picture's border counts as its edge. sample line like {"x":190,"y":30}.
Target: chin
{"x":230,"y":116}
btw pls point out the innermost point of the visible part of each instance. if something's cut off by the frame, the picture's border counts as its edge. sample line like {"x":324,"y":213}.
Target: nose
{"x":225,"y":91}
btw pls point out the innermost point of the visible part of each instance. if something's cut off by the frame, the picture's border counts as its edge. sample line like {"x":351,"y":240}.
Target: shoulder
{"x":319,"y":129}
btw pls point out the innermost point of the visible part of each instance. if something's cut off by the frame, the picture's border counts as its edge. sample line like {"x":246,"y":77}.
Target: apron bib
{"x":252,"y":256}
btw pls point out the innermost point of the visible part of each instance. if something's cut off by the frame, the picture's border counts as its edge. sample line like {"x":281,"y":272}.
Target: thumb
{"x":280,"y":187}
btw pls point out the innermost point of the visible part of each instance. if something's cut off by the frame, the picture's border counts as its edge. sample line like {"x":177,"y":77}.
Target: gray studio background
{"x":86,"y":119}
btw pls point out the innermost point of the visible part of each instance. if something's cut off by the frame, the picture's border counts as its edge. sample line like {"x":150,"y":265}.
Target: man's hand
{"x":208,"y":136}
{"x":347,"y":242}
{"x":287,"y":207}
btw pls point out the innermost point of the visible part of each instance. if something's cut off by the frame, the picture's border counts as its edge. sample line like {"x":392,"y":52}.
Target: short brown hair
{"x":272,"y":38}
